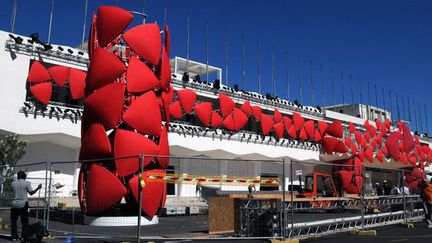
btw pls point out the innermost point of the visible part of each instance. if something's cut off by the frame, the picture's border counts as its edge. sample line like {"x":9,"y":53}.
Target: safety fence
{"x":215,"y":195}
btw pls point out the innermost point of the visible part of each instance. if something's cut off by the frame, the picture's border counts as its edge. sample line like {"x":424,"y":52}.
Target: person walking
{"x":20,"y":189}
{"x":425,"y":189}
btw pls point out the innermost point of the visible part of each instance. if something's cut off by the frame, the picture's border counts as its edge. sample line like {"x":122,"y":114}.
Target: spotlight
{"x":185,"y":77}
{"x":216,"y":84}
{"x":81,"y":53}
{"x":47,"y":47}
{"x":17,"y":39}
{"x":28,"y":105}
{"x":268,"y":96}
{"x":236,"y":87}
{"x":70,"y":51}
{"x":319,"y":108}
{"x":197,"y":78}
{"x":35,"y":38}
{"x":60,"y":48}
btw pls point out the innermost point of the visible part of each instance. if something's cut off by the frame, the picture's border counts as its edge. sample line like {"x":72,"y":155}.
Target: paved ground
{"x":196,"y":226}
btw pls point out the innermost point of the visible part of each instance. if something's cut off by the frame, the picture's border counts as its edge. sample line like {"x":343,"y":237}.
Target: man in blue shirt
{"x":20,"y":206}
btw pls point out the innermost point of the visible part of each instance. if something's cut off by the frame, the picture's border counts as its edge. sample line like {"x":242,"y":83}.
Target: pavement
{"x":194,"y":228}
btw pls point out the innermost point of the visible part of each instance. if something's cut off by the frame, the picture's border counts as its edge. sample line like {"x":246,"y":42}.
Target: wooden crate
{"x":223,"y":215}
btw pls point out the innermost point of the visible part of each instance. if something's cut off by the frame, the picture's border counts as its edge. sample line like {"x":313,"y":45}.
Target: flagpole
{"x":14,"y":12}
{"x":187,"y":43}
{"x":415,"y":116}
{"x":361,"y":97}
{"x":352,"y":90}
{"x":426,"y":119}
{"x":226,"y":56}
{"x":273,"y":73}
{"x":391,"y":103}
{"x":403,"y":109}
{"x":322,"y":84}
{"x":333,"y":87}
{"x":144,"y":11}
{"x":409,"y":110}
{"x":258,"y":68}
{"x":312,"y":84}
{"x":287,"y":75}
{"x":383,"y":96}
{"x":397,"y":105}
{"x":84,"y":25}
{"x":369,"y":101}
{"x":243,"y":61}
{"x":300,"y":80}
{"x":207,"y":74}
{"x":420,"y":117}
{"x":50,"y":21}
{"x":343,"y":95}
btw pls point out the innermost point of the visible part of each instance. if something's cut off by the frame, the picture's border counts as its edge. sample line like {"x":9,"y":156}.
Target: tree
{"x":11,"y":150}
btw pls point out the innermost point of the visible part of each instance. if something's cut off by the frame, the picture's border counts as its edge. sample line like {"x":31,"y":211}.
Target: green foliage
{"x":11,"y":150}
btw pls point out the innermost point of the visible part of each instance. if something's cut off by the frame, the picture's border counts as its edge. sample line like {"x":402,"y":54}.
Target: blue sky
{"x":387,"y":43}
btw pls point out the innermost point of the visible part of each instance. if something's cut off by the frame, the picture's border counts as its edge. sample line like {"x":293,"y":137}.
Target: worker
{"x":379,"y":190}
{"x":20,"y":206}
{"x":387,"y":187}
{"x":425,"y":189}
{"x":395,"y":191}
{"x":198,"y":188}
{"x":251,"y":189}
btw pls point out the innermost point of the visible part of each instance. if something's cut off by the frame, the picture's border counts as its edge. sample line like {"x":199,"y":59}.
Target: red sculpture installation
{"x":125,"y":113}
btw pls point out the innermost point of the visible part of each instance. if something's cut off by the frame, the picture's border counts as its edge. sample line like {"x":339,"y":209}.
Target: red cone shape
{"x":164,"y":149}
{"x":165,"y":75}
{"x":335,"y":129}
{"x":139,"y":77}
{"x":309,"y":126}
{"x":408,"y":140}
{"x":111,"y":21}
{"x":277,"y":116}
{"x":393,"y":145}
{"x":279,"y":129}
{"x":266,"y":124}
{"x":128,"y":143}
{"x":329,"y":144}
{"x":257,"y":112}
{"x":292,"y":132}
{"x":216,"y":119}
{"x":322,"y":125}
{"x":298,"y":121}
{"x":167,"y":40}
{"x":42,"y":92}
{"x":240,"y":119}
{"x":144,"y":114}
{"x":104,"y":68}
{"x":103,"y":189}
{"x":226,"y":104}
{"x":95,"y":143}
{"x":77,"y":83}
{"x":38,"y":73}
{"x":303,"y":134}
{"x":228,"y":123}
{"x":152,"y":192}
{"x":246,"y":108}
{"x":204,"y":112}
{"x":106,"y":104}
{"x":175,"y":110}
{"x":145,"y":40}
{"x":59,"y":74}
{"x":187,"y":99}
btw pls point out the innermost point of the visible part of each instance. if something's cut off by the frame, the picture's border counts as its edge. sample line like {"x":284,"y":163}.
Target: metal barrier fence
{"x":227,"y":196}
